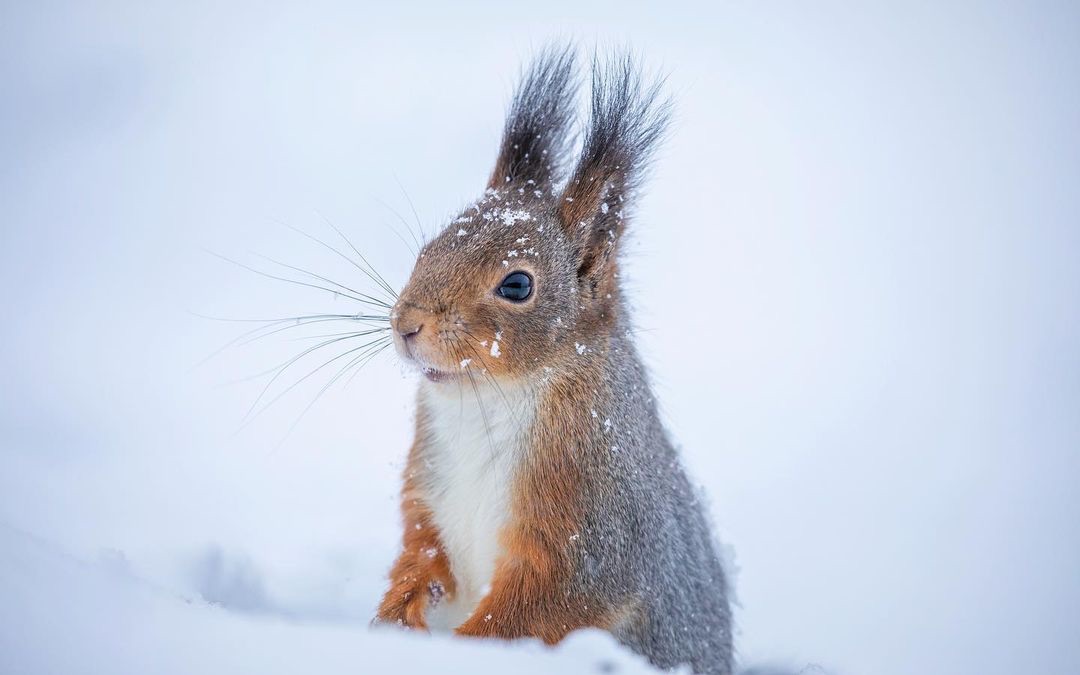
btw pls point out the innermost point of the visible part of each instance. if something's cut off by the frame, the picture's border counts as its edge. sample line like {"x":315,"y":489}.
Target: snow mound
{"x":63,"y":615}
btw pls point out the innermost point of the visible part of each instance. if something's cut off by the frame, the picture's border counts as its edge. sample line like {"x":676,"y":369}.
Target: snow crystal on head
{"x":509,"y":217}
{"x":500,"y":216}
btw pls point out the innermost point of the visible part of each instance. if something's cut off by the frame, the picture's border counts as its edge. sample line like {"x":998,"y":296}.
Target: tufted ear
{"x":537,"y":132}
{"x":626,"y":123}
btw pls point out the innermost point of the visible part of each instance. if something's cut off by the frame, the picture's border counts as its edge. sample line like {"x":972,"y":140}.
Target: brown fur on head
{"x":451,"y":316}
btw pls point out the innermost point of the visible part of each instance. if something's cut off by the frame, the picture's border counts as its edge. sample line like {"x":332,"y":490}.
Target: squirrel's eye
{"x":517,"y":286}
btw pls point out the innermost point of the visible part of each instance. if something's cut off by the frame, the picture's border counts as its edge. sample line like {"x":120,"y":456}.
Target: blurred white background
{"x":855,"y":269}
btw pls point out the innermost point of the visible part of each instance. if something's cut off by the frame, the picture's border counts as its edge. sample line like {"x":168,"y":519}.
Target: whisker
{"x":278,"y":319}
{"x":287,"y":280}
{"x":328,"y":335}
{"x":251,"y":418}
{"x":296,"y":325}
{"x":402,"y":239}
{"x":491,"y":378}
{"x":483,"y":411}
{"x":292,"y":322}
{"x":367,"y":298}
{"x":359,"y":367}
{"x":286,"y":363}
{"x":408,"y":227}
{"x":264,"y":373}
{"x":381,"y":281}
{"x":230,"y":343}
{"x":412,"y":207}
{"x":290,"y":326}
{"x":368,"y":355}
{"x":281,"y":370}
{"x":369,"y":273}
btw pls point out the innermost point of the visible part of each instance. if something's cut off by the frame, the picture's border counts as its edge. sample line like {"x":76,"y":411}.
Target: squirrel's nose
{"x":407,"y":331}
{"x":406,"y":322}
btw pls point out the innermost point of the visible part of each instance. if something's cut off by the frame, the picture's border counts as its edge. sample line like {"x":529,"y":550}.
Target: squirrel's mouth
{"x":436,"y":375}
{"x":418,"y":360}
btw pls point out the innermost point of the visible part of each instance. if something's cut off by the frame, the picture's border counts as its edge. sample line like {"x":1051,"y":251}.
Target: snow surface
{"x":63,"y":615}
{"x":854,"y":269}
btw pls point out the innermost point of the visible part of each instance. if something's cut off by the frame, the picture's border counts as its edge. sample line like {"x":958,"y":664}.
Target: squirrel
{"x":541,"y":492}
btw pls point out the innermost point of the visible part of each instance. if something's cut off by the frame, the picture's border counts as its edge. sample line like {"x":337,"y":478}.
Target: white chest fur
{"x":476,"y":443}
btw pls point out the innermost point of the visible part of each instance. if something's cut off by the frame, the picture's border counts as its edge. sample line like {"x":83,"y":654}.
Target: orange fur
{"x":421,"y":564}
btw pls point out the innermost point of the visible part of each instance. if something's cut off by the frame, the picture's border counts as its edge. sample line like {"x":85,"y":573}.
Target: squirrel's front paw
{"x":407,"y":601}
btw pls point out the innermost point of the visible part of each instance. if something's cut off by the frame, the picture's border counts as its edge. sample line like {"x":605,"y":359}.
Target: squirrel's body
{"x":541,"y":493}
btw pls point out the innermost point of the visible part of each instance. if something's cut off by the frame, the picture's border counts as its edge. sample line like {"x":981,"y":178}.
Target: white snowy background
{"x":855,"y":271}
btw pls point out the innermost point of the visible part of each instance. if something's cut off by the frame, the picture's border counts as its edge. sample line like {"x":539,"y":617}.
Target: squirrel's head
{"x":528,"y":273}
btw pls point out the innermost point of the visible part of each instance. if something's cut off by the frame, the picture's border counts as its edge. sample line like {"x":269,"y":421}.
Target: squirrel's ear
{"x":537,"y":132}
{"x":626,"y":122}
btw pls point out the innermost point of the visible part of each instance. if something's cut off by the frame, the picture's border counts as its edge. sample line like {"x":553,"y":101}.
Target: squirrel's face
{"x":491,"y":294}
{"x":527,"y":277}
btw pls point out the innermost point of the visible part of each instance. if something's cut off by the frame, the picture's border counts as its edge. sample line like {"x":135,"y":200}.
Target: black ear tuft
{"x":627,"y":121}
{"x":537,"y":133}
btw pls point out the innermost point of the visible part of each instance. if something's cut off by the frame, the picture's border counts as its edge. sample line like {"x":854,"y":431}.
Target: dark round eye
{"x":517,"y":286}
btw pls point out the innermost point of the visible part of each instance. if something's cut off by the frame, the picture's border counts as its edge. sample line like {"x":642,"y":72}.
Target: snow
{"x":511,"y":216}
{"x":854,"y":282}
{"x":65,"y":615}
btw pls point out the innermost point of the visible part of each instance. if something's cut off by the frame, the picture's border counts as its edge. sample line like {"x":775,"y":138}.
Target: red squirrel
{"x":541,"y":493}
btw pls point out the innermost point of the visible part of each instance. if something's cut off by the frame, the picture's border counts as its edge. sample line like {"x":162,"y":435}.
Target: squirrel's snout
{"x":405,"y":323}
{"x":406,"y":326}
{"x":409,"y":331}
